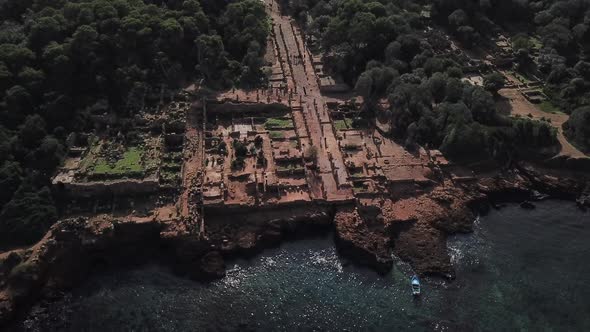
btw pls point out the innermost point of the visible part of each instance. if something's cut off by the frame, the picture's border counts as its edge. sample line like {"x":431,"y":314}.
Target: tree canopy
{"x":382,"y":49}
{"x":62,"y":61}
{"x":563,"y":29}
{"x":577,"y":128}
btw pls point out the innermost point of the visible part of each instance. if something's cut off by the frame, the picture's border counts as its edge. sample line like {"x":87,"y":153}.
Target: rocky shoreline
{"x":413,"y":228}
{"x":74,"y":248}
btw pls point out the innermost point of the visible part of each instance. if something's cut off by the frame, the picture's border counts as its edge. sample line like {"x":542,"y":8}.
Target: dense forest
{"x":562,"y":26}
{"x":386,"y":49}
{"x":63,"y":60}
{"x":577,"y":129}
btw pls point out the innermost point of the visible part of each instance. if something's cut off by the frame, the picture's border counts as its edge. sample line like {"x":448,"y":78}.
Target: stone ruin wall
{"x":259,"y":109}
{"x":127,"y":187}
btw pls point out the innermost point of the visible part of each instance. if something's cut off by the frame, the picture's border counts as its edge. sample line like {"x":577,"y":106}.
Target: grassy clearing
{"x":297,"y":169}
{"x":278,"y":123}
{"x":340,"y":125}
{"x":549,"y":107}
{"x":128,"y":165}
{"x":290,"y":167}
{"x":276,"y":134}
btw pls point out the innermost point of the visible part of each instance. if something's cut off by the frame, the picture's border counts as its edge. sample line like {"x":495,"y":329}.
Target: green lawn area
{"x":340,"y":124}
{"x":548,"y":107}
{"x":278,"y":123}
{"x":128,"y":165}
{"x":276,"y":134}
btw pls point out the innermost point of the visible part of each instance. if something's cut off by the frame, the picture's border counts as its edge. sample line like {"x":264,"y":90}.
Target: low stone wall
{"x":335,"y":88}
{"x":258,"y":109}
{"x":119,"y":187}
{"x":238,"y":209}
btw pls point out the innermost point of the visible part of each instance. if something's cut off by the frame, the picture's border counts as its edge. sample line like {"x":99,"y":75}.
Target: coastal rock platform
{"x":414,"y":228}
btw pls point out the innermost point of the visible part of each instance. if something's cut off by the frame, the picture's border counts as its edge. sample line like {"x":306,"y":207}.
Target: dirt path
{"x":192,"y":165}
{"x":304,"y":89}
{"x":516,"y":103}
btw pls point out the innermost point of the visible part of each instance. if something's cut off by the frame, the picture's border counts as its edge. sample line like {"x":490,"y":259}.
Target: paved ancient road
{"x":302,"y":81}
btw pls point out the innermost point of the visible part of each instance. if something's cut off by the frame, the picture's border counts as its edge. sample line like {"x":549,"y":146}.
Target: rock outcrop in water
{"x":416,"y":228}
{"x":363,"y":239}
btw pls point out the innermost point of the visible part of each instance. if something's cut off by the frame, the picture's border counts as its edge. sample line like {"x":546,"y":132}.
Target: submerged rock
{"x":213,"y":265}
{"x":583,"y":201}
{"x":537,"y":196}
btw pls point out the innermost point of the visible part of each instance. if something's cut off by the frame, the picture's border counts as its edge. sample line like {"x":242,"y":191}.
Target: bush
{"x":27,"y":217}
{"x":240,"y":149}
{"x":311,"y":154}
{"x":238,"y":164}
{"x":493,"y":82}
{"x":465,"y":142}
{"x":258,"y":141}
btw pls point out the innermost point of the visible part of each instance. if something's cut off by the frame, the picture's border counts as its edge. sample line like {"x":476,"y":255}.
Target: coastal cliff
{"x":73,"y":248}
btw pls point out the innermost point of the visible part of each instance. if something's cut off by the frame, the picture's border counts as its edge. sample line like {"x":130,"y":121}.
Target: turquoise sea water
{"x":520,"y":270}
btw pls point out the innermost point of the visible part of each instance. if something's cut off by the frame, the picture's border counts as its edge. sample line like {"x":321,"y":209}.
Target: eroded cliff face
{"x":363,"y":237}
{"x":73,"y":248}
{"x":413,"y":228}
{"x":65,"y":256}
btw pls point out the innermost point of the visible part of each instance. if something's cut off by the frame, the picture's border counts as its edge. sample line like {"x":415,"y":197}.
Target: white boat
{"x":415,"y":286}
